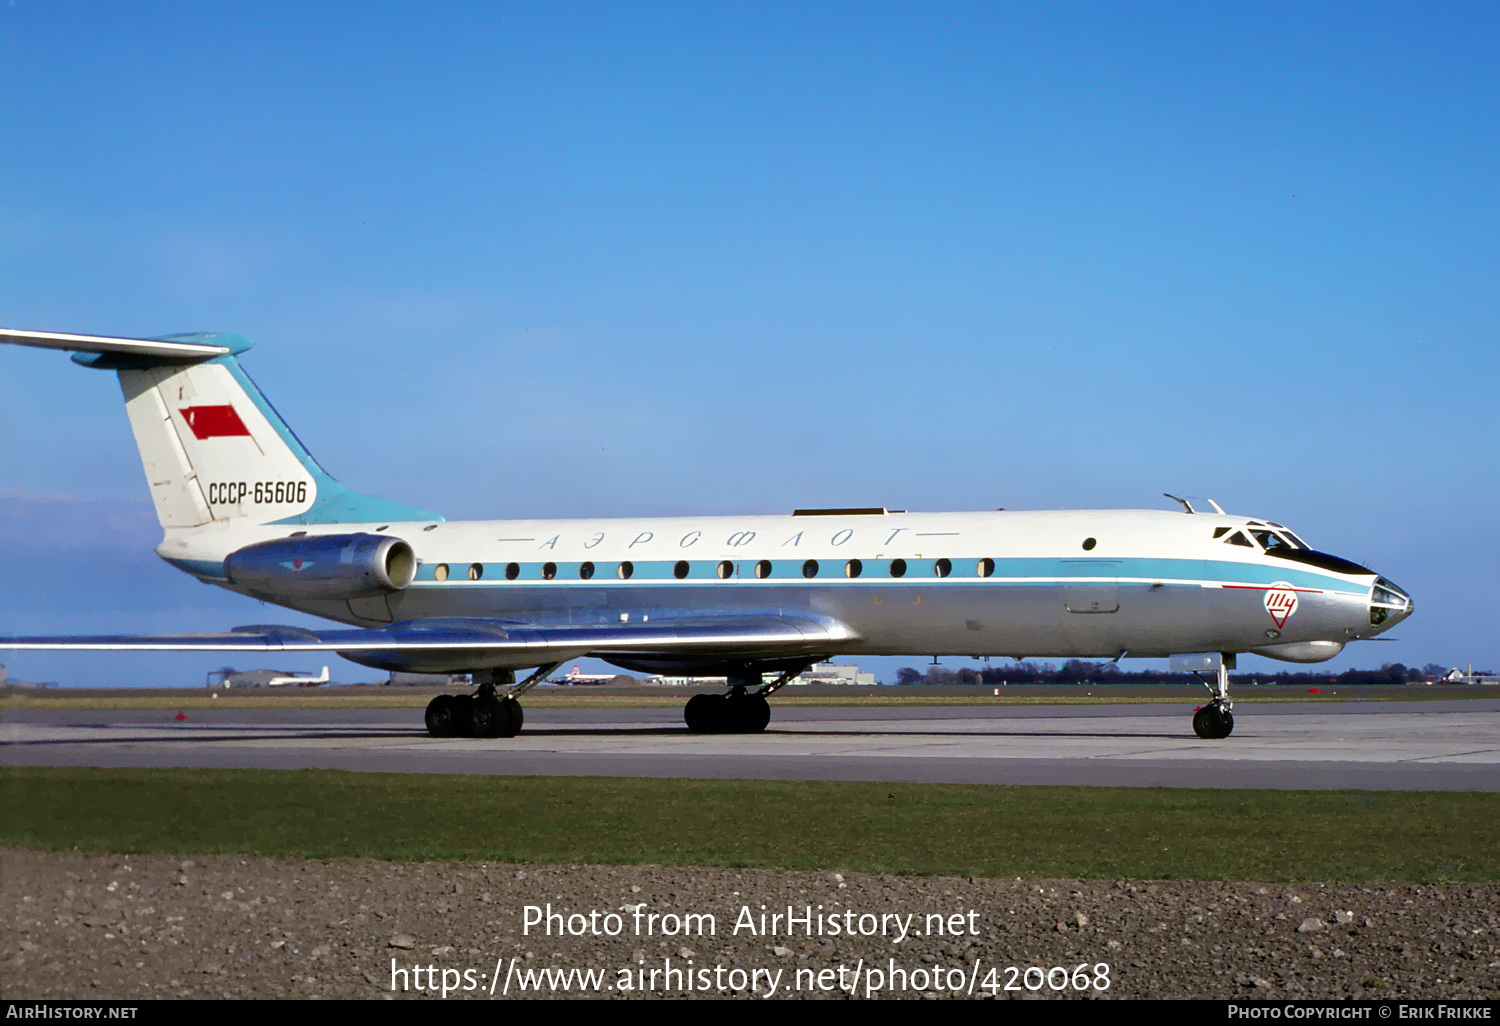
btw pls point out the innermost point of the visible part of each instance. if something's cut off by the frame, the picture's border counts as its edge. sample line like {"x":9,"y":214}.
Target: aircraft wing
{"x":478,"y":642}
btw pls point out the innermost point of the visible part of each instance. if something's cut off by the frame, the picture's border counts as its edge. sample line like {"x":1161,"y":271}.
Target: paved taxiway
{"x":1419,"y":745}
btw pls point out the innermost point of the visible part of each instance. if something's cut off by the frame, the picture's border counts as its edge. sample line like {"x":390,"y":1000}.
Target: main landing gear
{"x":741,"y":711}
{"x":1215,"y":721}
{"x":486,"y":713}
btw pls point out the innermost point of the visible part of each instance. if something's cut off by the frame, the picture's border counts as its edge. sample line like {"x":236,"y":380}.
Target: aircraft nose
{"x":1389,"y":605}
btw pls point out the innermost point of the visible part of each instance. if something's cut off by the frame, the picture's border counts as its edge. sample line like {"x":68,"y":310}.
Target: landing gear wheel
{"x":463,"y":711}
{"x":705,"y":713}
{"x":692,"y":713}
{"x":749,"y":714}
{"x":515,"y":716}
{"x":1204,"y":723}
{"x":488,"y":717}
{"x":727,"y":714}
{"x":441,"y":716}
{"x":1213,"y":722}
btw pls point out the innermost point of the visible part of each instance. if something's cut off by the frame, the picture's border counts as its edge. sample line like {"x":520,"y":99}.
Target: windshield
{"x":1386,"y":601}
{"x":1271,"y":541}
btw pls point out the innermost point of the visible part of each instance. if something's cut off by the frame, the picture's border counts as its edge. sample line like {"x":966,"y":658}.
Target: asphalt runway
{"x":1416,"y":745}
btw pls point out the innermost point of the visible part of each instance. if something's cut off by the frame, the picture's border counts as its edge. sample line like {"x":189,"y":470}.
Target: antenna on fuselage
{"x":1187,"y":504}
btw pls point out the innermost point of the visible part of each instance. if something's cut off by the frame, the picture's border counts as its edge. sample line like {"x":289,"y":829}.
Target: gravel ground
{"x":87,"y":925}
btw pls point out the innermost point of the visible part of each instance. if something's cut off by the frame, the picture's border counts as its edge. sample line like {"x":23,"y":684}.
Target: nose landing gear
{"x":1215,"y":721}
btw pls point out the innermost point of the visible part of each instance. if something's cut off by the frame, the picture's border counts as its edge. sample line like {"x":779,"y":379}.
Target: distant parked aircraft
{"x":576,"y":676}
{"x":301,"y":682}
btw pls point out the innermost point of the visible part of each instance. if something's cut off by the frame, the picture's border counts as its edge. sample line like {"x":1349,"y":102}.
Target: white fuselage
{"x":1088,"y":583}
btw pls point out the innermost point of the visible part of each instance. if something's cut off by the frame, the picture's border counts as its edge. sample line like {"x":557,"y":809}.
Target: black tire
{"x":515,"y":716}
{"x":697,"y":713}
{"x":1203,"y":723}
{"x":733,"y":715}
{"x":440,"y":716}
{"x":756,"y":714}
{"x":709,"y":714}
{"x":487,"y":717}
{"x":743,"y":714}
{"x":1213,"y":723}
{"x":462,"y":706}
{"x":718,"y":713}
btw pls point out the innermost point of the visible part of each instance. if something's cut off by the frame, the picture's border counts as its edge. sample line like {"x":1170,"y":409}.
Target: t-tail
{"x":214,"y":449}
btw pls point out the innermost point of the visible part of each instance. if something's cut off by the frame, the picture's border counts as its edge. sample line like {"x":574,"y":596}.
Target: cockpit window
{"x":1271,"y":541}
{"x":1387,"y":600}
{"x":1291,"y":536}
{"x":1277,"y":542}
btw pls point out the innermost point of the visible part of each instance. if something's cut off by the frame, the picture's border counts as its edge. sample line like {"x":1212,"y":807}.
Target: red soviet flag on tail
{"x":214,"y":422}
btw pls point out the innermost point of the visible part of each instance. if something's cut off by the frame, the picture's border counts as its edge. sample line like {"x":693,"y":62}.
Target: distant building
{"x":830,"y":673}
{"x":1457,"y":676}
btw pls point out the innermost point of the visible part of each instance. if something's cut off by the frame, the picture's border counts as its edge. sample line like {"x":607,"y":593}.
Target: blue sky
{"x":592,"y":259}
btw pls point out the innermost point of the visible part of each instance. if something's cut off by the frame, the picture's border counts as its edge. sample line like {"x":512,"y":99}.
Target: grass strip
{"x":915,"y":829}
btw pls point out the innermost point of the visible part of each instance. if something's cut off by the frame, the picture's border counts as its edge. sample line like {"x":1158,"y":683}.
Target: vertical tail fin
{"x":212,"y":446}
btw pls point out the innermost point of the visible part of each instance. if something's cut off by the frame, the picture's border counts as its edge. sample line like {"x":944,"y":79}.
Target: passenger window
{"x":681,"y":569}
{"x":549,"y":571}
{"x":898,"y":568}
{"x":942,"y":568}
{"x":763,"y":569}
{"x":512,"y":571}
{"x":725,"y":570}
{"x":586,"y":570}
{"x":810,"y":568}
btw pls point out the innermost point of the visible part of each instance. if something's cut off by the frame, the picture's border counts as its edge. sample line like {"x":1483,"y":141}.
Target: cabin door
{"x":1091,"y":585}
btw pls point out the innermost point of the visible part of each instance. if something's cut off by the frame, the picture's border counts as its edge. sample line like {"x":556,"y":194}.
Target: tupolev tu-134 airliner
{"x":755,"y":599}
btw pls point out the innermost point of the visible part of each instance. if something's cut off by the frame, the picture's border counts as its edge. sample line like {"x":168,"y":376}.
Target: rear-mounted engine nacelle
{"x":329,"y":566}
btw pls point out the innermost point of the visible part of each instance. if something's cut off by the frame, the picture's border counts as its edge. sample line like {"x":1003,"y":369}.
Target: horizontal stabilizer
{"x":172,"y":348}
{"x":466,"y":644}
